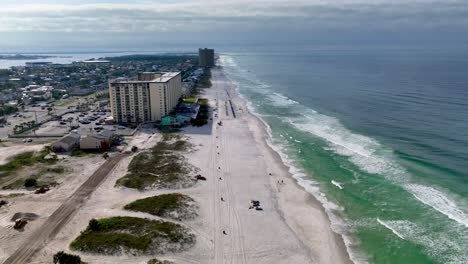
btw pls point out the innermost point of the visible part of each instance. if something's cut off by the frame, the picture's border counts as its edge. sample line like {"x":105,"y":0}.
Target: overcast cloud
{"x":22,"y":19}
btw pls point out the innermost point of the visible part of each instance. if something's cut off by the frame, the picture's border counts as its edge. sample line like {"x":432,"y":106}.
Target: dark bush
{"x":30,"y":182}
{"x":94,"y":225}
{"x":64,"y":258}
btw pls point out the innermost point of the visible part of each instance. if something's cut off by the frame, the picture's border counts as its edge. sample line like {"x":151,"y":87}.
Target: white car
{"x":27,"y":140}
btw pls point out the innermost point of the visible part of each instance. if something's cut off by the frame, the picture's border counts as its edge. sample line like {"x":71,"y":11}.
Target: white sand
{"x":292,"y":228}
{"x":8,"y":152}
{"x":43,"y":205}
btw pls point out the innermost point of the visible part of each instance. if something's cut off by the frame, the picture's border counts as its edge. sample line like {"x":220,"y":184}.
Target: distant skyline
{"x":42,"y":25}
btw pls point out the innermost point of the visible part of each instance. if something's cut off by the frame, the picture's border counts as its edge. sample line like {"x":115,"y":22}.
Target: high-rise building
{"x":206,"y":57}
{"x":146,"y":98}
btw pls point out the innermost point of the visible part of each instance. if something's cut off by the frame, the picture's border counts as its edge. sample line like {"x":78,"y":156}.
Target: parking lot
{"x":89,"y":122}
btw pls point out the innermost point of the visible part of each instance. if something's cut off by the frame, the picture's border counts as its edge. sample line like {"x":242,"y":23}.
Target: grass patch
{"x":122,"y":234}
{"x":190,"y":100}
{"x":173,"y":205}
{"x":78,"y":153}
{"x":163,"y":166}
{"x":25,"y":159}
{"x":57,"y":170}
{"x":12,"y":195}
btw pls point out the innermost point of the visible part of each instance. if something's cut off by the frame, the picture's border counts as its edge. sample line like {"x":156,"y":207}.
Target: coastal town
{"x":146,"y":159}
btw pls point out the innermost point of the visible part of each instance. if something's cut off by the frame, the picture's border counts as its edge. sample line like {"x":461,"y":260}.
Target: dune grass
{"x":28,"y":158}
{"x":163,"y":166}
{"x":124,"y":234}
{"x":172,"y":205}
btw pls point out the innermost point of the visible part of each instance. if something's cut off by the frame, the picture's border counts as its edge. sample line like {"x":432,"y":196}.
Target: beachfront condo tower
{"x":146,"y":98}
{"x":206,"y":57}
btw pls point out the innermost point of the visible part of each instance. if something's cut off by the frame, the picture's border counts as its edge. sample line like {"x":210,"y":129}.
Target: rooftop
{"x":155,"y":78}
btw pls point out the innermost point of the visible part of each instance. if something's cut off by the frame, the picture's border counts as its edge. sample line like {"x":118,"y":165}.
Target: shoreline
{"x":296,"y":205}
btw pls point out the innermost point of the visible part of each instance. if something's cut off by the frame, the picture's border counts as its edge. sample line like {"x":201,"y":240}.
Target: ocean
{"x":379,"y":136}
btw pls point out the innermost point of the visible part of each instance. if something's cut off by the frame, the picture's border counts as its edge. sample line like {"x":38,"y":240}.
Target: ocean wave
{"x":388,"y":226}
{"x":371,"y":157}
{"x":281,"y":100}
{"x":439,"y":201}
{"x":439,"y":245}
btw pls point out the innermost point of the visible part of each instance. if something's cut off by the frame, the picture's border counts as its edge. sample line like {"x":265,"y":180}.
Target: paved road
{"x":62,"y":215}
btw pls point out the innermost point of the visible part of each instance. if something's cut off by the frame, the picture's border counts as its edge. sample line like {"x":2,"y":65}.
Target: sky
{"x":79,"y":25}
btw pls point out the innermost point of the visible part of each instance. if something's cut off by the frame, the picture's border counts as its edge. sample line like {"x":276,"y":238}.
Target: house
{"x":94,"y":142}
{"x":67,"y":143}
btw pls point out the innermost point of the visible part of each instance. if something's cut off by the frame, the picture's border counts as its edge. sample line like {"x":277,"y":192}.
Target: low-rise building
{"x":101,"y":141}
{"x":67,"y":143}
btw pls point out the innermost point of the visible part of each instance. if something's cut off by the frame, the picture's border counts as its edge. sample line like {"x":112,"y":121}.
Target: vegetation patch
{"x":163,"y":166}
{"x":25,"y":159}
{"x":203,"y":113}
{"x":174,"y":205}
{"x":46,"y":177}
{"x":56,"y":170}
{"x":65,"y":258}
{"x":30,"y":182}
{"x":121,"y":234}
{"x":78,"y":153}
{"x":157,"y":261}
{"x":190,"y":100}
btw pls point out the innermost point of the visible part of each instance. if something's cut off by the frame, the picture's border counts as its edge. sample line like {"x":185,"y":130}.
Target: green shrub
{"x":157,"y":261}
{"x":64,"y":258}
{"x":30,"y":182}
{"x":94,"y":225}
{"x":78,"y":153}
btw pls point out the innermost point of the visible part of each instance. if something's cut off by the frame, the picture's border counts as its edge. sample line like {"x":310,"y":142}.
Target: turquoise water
{"x":379,"y":137}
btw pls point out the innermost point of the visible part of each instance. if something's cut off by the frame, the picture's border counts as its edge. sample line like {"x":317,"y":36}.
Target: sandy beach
{"x":239,"y":167}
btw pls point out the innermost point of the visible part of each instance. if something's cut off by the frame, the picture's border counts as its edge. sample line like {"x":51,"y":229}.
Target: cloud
{"x":241,"y":15}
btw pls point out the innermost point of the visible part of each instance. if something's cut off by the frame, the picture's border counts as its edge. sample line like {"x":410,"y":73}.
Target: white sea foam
{"x":280,"y":100}
{"x":371,"y":157}
{"x":337,"y":184}
{"x":439,"y":245}
{"x":439,"y":201}
{"x":389,"y":227}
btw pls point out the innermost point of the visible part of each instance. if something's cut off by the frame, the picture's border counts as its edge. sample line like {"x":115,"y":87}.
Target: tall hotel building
{"x":206,"y":57}
{"x":146,"y":98}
